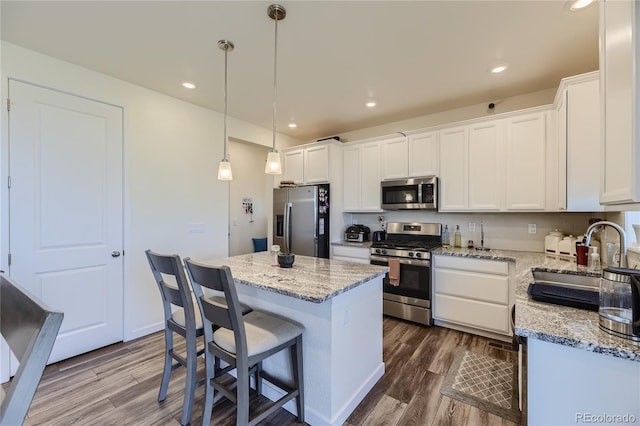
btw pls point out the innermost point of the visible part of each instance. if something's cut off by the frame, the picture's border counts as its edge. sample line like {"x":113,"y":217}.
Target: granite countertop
{"x":365,"y":244}
{"x":312,"y":279}
{"x":563,"y":325}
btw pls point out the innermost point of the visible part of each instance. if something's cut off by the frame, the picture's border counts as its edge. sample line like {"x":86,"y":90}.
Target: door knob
{"x":115,"y":253}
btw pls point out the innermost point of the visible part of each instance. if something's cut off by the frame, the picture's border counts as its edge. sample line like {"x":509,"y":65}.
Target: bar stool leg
{"x":166,"y":374}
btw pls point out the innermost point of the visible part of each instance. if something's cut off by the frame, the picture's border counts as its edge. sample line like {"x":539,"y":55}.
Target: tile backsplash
{"x":506,"y":231}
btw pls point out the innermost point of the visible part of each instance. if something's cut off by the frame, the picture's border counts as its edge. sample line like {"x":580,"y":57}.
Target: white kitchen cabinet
{"x":293,"y":165}
{"x":355,"y":254}
{"x":316,"y":164}
{"x":562,"y":381}
{"x":526,"y":162}
{"x":413,"y":156}
{"x":473,"y":295}
{"x":352,"y":175}
{"x":453,"y":169}
{"x":423,"y":154}
{"x":361,"y":177}
{"x":579,"y":143}
{"x":307,"y":165}
{"x":470,"y":167}
{"x":619,"y":80}
{"x":395,"y":158}
{"x":484,"y":154}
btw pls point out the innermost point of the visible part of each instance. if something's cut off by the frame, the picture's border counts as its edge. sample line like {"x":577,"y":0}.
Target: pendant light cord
{"x":275,"y":81}
{"x":226,"y":49}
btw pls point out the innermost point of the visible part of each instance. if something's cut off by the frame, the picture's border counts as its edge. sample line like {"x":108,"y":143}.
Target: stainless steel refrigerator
{"x":301,"y":220}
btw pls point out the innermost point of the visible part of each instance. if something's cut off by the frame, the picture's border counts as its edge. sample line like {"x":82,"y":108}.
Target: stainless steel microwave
{"x":410,"y":194}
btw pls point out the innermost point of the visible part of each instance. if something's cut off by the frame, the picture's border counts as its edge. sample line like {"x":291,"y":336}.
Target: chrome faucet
{"x":623,"y":239}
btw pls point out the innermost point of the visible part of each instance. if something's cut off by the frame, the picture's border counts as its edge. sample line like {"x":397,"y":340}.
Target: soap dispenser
{"x":594,"y":259}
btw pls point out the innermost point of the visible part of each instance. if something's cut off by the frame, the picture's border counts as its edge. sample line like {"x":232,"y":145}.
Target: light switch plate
{"x":533,"y":228}
{"x":472,"y":227}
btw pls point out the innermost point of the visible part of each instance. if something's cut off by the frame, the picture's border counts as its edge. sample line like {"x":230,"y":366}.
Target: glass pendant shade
{"x":273,"y":166}
{"x":224,"y":170}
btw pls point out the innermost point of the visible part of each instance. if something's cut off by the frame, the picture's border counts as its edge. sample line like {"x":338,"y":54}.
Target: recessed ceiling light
{"x":498,"y":69}
{"x":188,"y":85}
{"x":579,"y":4}
{"x":292,"y":125}
{"x":370,"y":104}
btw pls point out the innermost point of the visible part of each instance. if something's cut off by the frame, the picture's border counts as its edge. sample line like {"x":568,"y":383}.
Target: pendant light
{"x":273,"y":166}
{"x":224,"y":169}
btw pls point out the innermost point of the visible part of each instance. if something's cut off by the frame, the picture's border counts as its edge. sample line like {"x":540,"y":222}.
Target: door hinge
{"x":9,"y":259}
{"x":8,"y":104}
{"x":9,"y":182}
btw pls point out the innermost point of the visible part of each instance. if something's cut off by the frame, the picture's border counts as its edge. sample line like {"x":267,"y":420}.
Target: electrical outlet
{"x":380,"y":218}
{"x":472,"y":227}
{"x":533,"y":228}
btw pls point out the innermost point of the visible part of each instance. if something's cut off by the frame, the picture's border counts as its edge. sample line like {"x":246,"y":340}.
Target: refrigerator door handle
{"x":287,"y":226}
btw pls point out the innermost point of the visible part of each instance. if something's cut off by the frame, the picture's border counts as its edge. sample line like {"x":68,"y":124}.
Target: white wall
{"x":528,"y":100}
{"x":172,"y":149}
{"x":247,"y":161}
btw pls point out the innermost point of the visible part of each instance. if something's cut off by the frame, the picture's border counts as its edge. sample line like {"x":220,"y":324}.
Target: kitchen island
{"x":575,"y":372}
{"x":340,"y":305}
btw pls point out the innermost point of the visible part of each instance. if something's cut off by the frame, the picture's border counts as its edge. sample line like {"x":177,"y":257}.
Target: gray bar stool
{"x":243,"y":342}
{"x":186,"y":322}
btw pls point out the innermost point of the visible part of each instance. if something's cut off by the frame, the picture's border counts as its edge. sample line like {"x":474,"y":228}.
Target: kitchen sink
{"x":577,"y":291}
{"x":583,"y":282}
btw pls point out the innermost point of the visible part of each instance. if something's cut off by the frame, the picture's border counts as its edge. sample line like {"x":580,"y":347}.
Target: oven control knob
{"x":418,"y":255}
{"x":383,"y":251}
{"x":378,"y":251}
{"x":410,"y":254}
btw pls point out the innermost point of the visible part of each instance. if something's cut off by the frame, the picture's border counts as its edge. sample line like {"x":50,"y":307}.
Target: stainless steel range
{"x":407,"y":252}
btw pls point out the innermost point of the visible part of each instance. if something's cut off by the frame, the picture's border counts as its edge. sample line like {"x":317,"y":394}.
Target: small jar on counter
{"x":275,"y":251}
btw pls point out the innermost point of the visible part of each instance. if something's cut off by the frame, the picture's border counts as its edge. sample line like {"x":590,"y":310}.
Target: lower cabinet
{"x":473,"y":295}
{"x":356,"y":254}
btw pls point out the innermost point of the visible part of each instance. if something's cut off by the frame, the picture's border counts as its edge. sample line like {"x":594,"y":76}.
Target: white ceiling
{"x":413,"y":57}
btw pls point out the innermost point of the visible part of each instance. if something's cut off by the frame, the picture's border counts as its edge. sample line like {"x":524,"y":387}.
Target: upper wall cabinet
{"x":395,"y":158}
{"x":423,"y":154}
{"x":454,"y":186}
{"x":307,"y":165}
{"x":413,"y":156}
{"x":361,"y":162}
{"x":619,"y":82}
{"x":495,"y":165}
{"x":526,"y":162}
{"x":579,"y":143}
{"x":293,"y":165}
{"x":470,"y":167}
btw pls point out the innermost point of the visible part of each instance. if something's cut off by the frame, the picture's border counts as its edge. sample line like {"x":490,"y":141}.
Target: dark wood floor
{"x":118,"y":385}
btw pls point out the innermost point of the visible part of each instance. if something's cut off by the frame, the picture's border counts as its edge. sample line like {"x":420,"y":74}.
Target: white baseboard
{"x":143,"y":331}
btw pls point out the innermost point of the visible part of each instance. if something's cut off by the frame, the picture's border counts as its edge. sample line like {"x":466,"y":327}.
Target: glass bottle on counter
{"x":457,"y":237}
{"x":446,"y":238}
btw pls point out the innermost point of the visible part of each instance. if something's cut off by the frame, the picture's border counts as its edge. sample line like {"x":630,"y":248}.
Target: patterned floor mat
{"x":484,"y":382}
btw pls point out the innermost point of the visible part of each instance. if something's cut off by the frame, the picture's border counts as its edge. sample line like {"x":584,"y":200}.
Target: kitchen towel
{"x":394,"y":271}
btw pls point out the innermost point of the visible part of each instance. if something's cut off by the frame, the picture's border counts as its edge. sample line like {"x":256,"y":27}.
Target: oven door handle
{"x":403,"y":261}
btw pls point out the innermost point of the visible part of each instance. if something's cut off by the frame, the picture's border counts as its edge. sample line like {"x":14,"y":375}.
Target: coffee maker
{"x":619,"y":311}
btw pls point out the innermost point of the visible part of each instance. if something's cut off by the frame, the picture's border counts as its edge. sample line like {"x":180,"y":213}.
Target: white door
{"x":65,"y":207}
